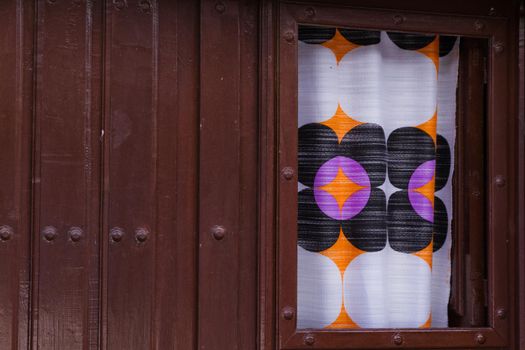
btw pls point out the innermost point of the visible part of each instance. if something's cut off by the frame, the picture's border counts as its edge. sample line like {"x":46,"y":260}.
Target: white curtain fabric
{"x":376,"y":118}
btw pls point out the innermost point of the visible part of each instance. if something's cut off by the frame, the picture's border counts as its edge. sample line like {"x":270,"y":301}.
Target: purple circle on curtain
{"x":421,"y":177}
{"x":341,"y":188}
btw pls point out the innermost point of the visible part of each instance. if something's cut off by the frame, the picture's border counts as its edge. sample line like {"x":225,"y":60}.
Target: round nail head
{"x":6,"y":232}
{"x":49,"y":233}
{"x":218,"y":232}
{"x":498,"y":47}
{"x":309,"y":339}
{"x":116,"y":234}
{"x":220,"y":7}
{"x":398,"y":19}
{"x":141,"y":234}
{"x":145,"y":6}
{"x":310,"y":12}
{"x":288,"y":36}
{"x":75,"y":233}
{"x":479,"y":26}
{"x":288,"y":313}
{"x":501,"y":313}
{"x":500,"y":181}
{"x":287,"y":173}
{"x":397,"y":339}
{"x":480,"y":338}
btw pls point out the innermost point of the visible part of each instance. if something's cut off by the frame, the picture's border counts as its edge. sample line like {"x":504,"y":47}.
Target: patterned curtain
{"x":376,"y":117}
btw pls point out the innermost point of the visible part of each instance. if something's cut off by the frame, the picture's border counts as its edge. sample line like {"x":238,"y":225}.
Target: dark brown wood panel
{"x":466,"y":7}
{"x":474,"y":184}
{"x":521,"y":175}
{"x":228,"y":180}
{"x":16,"y":52}
{"x":249,"y":123}
{"x":66,"y":175}
{"x":150,"y":175}
{"x":467,"y":306}
{"x":131,"y":159}
{"x":267,"y":218}
{"x":175,"y":321}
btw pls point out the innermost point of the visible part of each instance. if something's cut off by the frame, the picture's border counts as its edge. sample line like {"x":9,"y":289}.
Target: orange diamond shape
{"x":339,"y":46}
{"x":341,"y":123}
{"x":341,"y":188}
{"x":342,"y":252}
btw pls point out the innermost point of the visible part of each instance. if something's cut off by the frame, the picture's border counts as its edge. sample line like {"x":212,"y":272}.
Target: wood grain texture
{"x":150,"y":176}
{"x":66,"y":175}
{"x":16,"y":108}
{"x":467,"y":306}
{"x":130,"y":173}
{"x":521,"y":175}
{"x":175,"y":309}
{"x":227,"y":181}
{"x":266,"y":209}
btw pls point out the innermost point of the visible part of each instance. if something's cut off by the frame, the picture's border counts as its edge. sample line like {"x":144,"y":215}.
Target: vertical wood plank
{"x":175,"y":269}
{"x":130,"y":175}
{"x":521,"y":175}
{"x":227,"y":181}
{"x":248,"y":171}
{"x":16,"y":44}
{"x":474,"y":183}
{"x":467,"y":305}
{"x":286,"y":190}
{"x":219,"y":175}
{"x":66,"y":175}
{"x":151,"y":175}
{"x":267,"y":158}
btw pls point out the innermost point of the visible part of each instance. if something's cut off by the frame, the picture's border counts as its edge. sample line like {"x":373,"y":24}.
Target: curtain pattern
{"x":376,"y":119}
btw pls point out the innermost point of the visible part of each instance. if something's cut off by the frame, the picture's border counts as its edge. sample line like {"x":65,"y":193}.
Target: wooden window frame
{"x":468,"y":298}
{"x":278,"y":261}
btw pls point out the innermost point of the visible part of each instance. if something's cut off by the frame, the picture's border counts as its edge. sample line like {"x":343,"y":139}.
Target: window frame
{"x":278,"y":268}
{"x":467,"y":306}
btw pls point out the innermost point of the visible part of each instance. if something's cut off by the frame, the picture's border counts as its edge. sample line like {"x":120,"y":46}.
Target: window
{"x":477,"y":234}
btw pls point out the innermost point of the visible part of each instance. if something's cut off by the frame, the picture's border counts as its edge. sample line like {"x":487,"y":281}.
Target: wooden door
{"x":106,"y":222}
